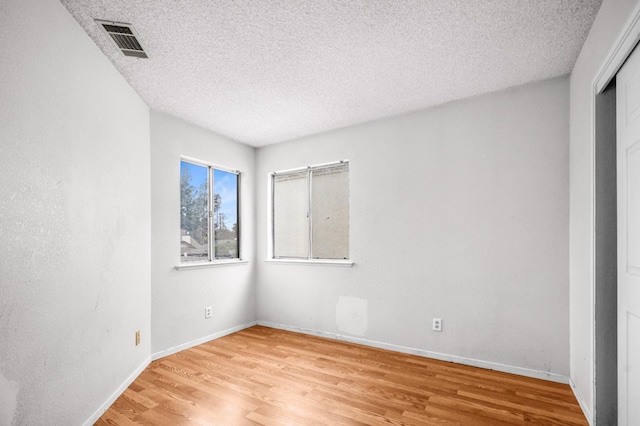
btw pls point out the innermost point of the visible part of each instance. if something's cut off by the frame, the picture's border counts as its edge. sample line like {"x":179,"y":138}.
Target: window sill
{"x":212,"y":264}
{"x":317,"y":262}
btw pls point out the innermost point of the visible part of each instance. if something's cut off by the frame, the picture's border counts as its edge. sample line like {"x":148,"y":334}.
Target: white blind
{"x":330,"y":212}
{"x":290,"y":222}
{"x":311,"y":213}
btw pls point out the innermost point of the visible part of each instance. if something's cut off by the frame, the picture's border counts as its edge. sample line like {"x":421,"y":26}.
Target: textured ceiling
{"x":261,"y":72}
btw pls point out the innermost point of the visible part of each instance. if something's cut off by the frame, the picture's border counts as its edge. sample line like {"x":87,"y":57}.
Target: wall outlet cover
{"x":437,"y":324}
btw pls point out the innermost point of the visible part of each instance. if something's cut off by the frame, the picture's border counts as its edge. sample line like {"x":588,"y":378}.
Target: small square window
{"x":209,"y":207}
{"x":311,"y":212}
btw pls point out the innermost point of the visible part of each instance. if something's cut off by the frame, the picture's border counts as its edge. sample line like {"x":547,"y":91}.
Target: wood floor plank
{"x":265,"y":376}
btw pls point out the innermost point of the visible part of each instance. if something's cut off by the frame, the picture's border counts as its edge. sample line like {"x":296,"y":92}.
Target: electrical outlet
{"x":137,"y":337}
{"x":437,"y":324}
{"x":208,"y":312}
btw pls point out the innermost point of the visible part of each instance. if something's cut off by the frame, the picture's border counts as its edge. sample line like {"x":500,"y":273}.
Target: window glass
{"x":194,"y":212}
{"x":225,"y":214}
{"x":209,"y":213}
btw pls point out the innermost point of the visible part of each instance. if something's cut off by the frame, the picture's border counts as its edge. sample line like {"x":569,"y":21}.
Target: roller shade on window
{"x":290,"y":222}
{"x":311,"y":213}
{"x":330,"y":212}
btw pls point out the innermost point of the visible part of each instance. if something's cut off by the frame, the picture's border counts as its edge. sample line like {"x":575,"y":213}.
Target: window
{"x":311,"y":212}
{"x":209,"y":200}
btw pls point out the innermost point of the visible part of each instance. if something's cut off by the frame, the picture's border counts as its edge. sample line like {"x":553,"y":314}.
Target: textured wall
{"x":74,"y":220}
{"x":458,"y":212}
{"x":612,"y":16}
{"x":179,"y":297}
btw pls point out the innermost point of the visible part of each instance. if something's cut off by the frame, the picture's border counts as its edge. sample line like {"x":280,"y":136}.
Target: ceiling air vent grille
{"x":124,"y":37}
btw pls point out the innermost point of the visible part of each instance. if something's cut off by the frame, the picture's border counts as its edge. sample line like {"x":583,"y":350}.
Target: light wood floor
{"x":266,"y":376}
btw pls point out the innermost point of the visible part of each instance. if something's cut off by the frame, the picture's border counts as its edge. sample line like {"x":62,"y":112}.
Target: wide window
{"x":209,"y":226}
{"x":311,"y":212}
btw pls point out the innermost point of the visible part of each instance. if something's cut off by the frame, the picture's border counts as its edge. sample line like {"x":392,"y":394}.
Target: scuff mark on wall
{"x":8,"y":400}
{"x":352,"y":315}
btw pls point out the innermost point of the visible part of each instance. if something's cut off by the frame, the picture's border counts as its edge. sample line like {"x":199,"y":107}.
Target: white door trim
{"x":627,"y":39}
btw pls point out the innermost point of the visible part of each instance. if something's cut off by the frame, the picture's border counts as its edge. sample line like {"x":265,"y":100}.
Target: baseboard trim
{"x":403,"y":349}
{"x":115,"y":395}
{"x":105,"y":406}
{"x":201,"y":340}
{"x":559,"y":378}
{"x":585,"y":409}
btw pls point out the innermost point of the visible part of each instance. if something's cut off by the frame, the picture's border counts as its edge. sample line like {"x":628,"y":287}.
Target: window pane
{"x":290,"y":207}
{"x":225,"y":214}
{"x":194,"y":207}
{"x":330,"y":212}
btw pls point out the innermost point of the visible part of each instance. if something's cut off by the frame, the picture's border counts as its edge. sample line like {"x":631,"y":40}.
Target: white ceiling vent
{"x":125,"y":37}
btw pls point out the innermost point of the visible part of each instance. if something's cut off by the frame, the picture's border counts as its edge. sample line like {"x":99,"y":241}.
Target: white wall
{"x":607,"y":26}
{"x":74,"y":220}
{"x":459,"y":212}
{"x":180,"y":297}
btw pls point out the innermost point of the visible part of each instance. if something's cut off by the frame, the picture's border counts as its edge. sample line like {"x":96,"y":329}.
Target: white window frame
{"x":270,"y":224}
{"x":212,"y":260}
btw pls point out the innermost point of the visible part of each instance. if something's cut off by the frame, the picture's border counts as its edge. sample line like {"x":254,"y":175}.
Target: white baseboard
{"x":403,"y":349}
{"x":585,"y":409}
{"x":201,"y":340}
{"x":105,"y":406}
{"x":559,"y":378}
